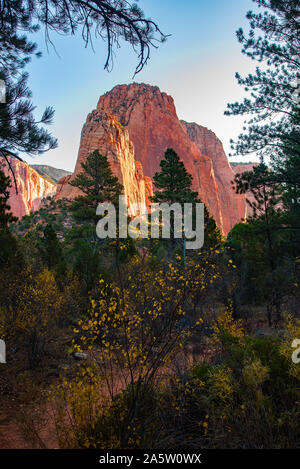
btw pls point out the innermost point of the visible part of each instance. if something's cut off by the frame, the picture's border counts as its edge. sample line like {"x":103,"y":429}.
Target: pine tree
{"x":264,"y":239}
{"x":19,"y":132}
{"x":98,"y":184}
{"x":6,"y":216}
{"x":174,"y":185}
{"x":8,"y":247}
{"x":88,"y":253}
{"x":51,"y":248}
{"x":173,"y":182}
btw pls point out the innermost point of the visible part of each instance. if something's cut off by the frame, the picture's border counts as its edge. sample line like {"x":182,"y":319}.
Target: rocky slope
{"x":48,"y":172}
{"x":31,"y":187}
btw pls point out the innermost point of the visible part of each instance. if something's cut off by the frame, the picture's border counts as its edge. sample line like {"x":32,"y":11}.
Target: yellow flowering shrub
{"x":220,"y":378}
{"x":136,"y":326}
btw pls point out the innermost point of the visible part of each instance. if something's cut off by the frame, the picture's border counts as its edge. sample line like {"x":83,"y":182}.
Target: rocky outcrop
{"x":62,"y":188}
{"x":31,"y":187}
{"x":233,"y":205}
{"x":133,"y":126}
{"x":103,"y":132}
{"x":153,"y":126}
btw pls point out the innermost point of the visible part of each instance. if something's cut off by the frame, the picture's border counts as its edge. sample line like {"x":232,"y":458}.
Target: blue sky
{"x":196,"y":66}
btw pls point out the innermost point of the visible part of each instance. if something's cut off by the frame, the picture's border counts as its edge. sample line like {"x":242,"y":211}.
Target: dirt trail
{"x":15,"y":431}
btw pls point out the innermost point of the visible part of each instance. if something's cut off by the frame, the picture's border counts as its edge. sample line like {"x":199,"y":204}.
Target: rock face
{"x":232,"y":205}
{"x":240,"y":168}
{"x":103,"y":132}
{"x":31,"y":188}
{"x":151,"y":119}
{"x":133,"y":126}
{"x":153,"y":125}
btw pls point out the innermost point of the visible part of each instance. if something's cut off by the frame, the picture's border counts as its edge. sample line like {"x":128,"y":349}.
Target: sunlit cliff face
{"x":26,"y":196}
{"x":133,"y":126}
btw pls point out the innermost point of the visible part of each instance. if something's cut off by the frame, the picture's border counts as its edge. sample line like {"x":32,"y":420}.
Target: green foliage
{"x":19,"y":132}
{"x":6,"y":216}
{"x":174,"y":185}
{"x":173,"y":182}
{"x":51,"y":248}
{"x":272,"y":105}
{"x":266,"y":246}
{"x":9,"y":251}
{"x":98,"y":184}
{"x":82,"y":251}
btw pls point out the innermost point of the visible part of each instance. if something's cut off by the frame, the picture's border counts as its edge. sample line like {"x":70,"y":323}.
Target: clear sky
{"x":196,"y":66}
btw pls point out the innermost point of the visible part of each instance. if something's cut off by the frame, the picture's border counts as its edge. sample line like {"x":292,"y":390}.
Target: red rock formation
{"x":233,"y":205}
{"x":133,"y":126}
{"x":151,"y":119}
{"x":31,"y":188}
{"x":61,"y":188}
{"x":242,"y":168}
{"x":103,"y":132}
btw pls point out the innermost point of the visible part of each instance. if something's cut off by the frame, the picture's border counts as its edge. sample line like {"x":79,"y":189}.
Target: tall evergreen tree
{"x":51,"y":248}
{"x":98,"y":185}
{"x":174,"y":185}
{"x":6,"y":216}
{"x":9,"y":254}
{"x":264,"y":243}
{"x":87,"y":252}
{"x":173,"y":182}
{"x":268,"y":241}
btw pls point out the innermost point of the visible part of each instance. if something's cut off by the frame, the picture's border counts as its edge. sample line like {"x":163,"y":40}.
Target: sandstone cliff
{"x":232,"y":205}
{"x":133,"y":126}
{"x":151,"y":119}
{"x":31,"y":188}
{"x":103,"y":132}
{"x":240,"y":168}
